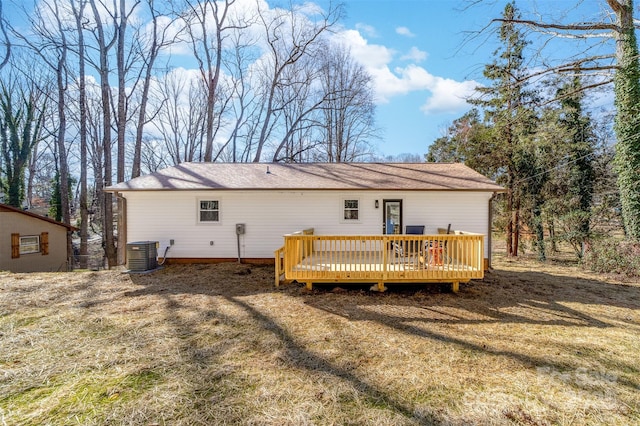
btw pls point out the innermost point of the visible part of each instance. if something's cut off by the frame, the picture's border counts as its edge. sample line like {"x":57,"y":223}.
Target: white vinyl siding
{"x":268,"y":215}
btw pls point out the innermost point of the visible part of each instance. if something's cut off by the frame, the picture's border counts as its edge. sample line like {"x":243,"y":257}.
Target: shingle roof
{"x":10,"y":209}
{"x":312,"y":176}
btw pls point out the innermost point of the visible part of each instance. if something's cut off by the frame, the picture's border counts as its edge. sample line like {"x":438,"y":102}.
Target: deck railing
{"x":381,"y":258}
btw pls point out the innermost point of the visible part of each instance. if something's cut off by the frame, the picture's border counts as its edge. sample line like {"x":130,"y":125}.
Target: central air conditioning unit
{"x":142,"y":255}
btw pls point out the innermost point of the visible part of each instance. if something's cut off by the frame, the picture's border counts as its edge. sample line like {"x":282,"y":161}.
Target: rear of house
{"x":31,"y":243}
{"x":202,"y":212}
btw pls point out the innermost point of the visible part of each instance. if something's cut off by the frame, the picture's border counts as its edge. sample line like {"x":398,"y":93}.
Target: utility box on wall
{"x":240,"y":228}
{"x":142,"y":255}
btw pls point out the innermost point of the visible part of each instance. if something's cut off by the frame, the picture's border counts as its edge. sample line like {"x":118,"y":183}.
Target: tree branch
{"x":588,"y":26}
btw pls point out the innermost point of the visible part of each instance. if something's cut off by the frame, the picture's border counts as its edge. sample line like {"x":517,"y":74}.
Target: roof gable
{"x":4,"y":208}
{"x":312,"y":176}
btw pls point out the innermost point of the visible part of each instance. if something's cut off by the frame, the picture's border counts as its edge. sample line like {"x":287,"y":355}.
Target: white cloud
{"x":443,"y":94}
{"x":371,"y":56}
{"x":404,"y":31}
{"x":448,"y":96}
{"x":414,"y":55}
{"x":367,"y":30}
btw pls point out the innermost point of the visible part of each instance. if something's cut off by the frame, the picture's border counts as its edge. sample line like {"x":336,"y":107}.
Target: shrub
{"x":610,"y":255}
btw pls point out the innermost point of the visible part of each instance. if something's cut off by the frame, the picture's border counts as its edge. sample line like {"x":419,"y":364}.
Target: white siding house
{"x":194,"y":208}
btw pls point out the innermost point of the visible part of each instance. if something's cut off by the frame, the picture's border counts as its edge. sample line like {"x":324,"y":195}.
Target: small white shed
{"x":202,"y":212}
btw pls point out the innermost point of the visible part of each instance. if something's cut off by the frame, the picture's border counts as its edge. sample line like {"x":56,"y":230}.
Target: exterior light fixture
{"x":377,"y":204}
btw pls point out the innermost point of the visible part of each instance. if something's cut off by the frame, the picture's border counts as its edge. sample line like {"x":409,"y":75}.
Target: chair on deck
{"x":412,"y":247}
{"x":436,"y":252}
{"x":414,"y":230}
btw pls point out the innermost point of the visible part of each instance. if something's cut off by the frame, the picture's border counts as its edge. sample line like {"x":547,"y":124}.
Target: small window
{"x":351,"y":209}
{"x":209,"y":211}
{"x":30,"y":244}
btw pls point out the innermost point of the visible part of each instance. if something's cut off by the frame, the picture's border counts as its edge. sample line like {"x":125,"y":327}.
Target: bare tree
{"x":95,"y":156}
{"x":348,"y":123}
{"x":153,"y":156}
{"x":5,"y":39}
{"x":121,"y":20}
{"x":104,"y":45}
{"x":299,"y":100}
{"x":52,"y":46}
{"x":181,"y":117}
{"x":156,"y":40}
{"x":290,"y":36}
{"x":78,"y":13}
{"x":242,"y":100}
{"x":207,"y":26}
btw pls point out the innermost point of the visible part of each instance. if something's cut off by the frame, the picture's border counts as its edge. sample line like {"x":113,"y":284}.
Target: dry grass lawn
{"x":532,"y":344}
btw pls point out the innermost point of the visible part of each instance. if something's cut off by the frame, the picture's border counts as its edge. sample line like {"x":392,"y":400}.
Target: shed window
{"x":351,"y":209}
{"x":209,"y":211}
{"x":30,"y":244}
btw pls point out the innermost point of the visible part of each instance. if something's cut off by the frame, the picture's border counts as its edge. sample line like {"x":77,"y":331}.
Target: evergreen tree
{"x":505,"y":110}
{"x":468,"y":140}
{"x":580,"y":156}
{"x":626,"y":89}
{"x":532,"y":161}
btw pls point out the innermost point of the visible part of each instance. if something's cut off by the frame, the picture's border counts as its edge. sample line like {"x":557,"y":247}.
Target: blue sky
{"x":422,"y":68}
{"x":425,"y":43}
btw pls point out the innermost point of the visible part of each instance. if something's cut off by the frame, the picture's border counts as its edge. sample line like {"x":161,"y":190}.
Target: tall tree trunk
{"x":539,"y":229}
{"x":82,"y":104}
{"x":121,"y":119}
{"x":627,"y":121}
{"x":516,"y":227}
{"x":33,"y":163}
{"x":142,"y":115}
{"x":5,"y":39}
{"x":61,"y":80}
{"x":509,"y":230}
{"x":121,"y":127}
{"x":105,"y":91}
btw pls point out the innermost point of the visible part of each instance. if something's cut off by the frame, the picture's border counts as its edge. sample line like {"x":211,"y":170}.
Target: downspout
{"x":490,"y":229}
{"x":122,"y":229}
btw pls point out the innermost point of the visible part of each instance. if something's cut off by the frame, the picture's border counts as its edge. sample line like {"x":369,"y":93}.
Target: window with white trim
{"x":351,"y":209}
{"x":209,"y":211}
{"x":30,"y":244}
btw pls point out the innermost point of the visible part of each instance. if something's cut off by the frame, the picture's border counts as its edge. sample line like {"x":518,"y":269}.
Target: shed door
{"x":392,"y":217}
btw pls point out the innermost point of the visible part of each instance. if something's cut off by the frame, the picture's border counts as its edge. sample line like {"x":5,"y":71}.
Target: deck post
{"x":279,"y":264}
{"x":455,"y":286}
{"x":309,"y":285}
{"x":381,"y":287}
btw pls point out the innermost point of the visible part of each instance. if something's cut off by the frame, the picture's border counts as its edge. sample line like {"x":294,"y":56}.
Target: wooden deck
{"x":381,"y":259}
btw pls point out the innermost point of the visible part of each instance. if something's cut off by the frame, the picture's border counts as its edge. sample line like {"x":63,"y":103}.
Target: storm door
{"x":392,"y":217}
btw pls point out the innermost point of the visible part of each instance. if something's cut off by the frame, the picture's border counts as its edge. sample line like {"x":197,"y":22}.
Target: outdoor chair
{"x":411,"y":248}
